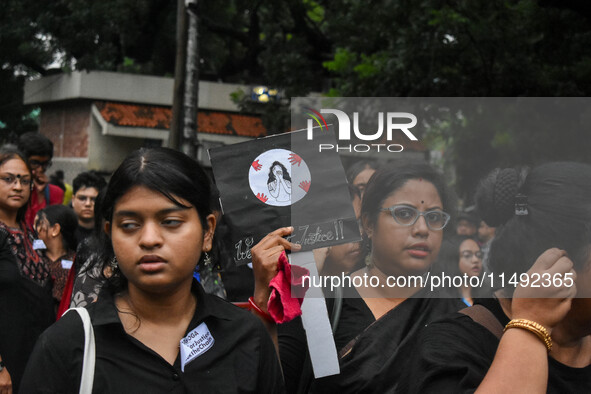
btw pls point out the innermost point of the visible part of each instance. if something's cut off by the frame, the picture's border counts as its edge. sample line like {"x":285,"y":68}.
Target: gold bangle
{"x":536,"y":328}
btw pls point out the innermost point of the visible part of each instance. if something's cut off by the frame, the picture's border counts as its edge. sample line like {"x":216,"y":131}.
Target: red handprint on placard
{"x":295,"y":159}
{"x":262,"y":197}
{"x":256,"y":165}
{"x":305,"y":185}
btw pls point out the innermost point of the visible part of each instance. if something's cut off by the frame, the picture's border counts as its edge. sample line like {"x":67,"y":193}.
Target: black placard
{"x":281,"y":181}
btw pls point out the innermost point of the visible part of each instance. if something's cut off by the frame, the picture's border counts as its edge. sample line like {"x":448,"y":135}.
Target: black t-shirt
{"x":241,"y":359}
{"x":452,"y":355}
{"x":82,"y":233}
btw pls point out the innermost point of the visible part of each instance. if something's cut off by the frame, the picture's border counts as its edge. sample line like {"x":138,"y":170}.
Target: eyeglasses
{"x":468,"y":254}
{"x":34,"y":164}
{"x":407,"y":216}
{"x":11,"y":179}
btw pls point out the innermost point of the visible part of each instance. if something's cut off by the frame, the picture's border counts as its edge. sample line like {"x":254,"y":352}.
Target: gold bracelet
{"x":533,"y":327}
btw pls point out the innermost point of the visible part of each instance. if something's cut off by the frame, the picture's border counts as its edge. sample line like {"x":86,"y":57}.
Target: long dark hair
{"x":554,"y":200}
{"x":167,"y":171}
{"x":6,"y":154}
{"x":449,"y":255}
{"x":272,"y":176}
{"x":358,"y":167}
{"x":66,"y":218}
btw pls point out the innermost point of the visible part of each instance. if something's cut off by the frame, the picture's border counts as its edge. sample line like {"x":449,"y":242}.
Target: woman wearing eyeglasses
{"x":460,"y":258}
{"x":26,"y":305}
{"x":403,"y":214}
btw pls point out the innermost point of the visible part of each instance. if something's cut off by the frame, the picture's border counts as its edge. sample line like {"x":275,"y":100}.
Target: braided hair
{"x":557,"y":199}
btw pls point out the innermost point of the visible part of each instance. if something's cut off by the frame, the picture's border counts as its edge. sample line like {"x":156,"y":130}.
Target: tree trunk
{"x":183,"y":128}
{"x":176,"y":122}
{"x":189,"y":141}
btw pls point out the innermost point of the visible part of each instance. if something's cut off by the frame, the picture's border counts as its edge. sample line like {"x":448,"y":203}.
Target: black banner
{"x":280,"y":181}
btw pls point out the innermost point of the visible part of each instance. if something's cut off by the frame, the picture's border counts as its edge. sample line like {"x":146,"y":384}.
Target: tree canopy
{"x":391,"y":48}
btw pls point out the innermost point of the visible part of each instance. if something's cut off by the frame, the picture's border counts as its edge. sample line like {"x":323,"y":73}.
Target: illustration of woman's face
{"x":277,"y":170}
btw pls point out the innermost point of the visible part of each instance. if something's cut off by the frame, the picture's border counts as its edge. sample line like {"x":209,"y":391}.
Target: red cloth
{"x":56,"y":196}
{"x":287,"y":291}
{"x":67,"y":294}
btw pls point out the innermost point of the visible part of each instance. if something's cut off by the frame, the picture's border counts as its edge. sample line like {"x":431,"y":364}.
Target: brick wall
{"x":66,"y":125}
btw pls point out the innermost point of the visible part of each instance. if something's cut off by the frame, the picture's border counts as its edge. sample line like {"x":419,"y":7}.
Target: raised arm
{"x":265,"y":257}
{"x":521,"y":362}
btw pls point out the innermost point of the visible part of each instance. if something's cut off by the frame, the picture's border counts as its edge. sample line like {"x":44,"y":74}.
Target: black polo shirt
{"x":241,"y":360}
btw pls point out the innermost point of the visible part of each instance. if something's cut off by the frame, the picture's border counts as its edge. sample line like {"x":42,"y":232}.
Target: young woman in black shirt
{"x":156,"y":330}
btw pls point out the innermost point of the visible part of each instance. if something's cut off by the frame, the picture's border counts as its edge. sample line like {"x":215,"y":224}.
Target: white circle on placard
{"x":279,"y":177}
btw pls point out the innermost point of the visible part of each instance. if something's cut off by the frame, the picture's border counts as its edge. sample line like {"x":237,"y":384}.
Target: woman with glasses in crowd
{"x":403,"y":216}
{"x":26,"y":305}
{"x":460,"y":260}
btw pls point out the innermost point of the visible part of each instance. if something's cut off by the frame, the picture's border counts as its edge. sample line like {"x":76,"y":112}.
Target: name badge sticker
{"x":39,"y":244}
{"x":67,"y":264}
{"x":197,"y":342}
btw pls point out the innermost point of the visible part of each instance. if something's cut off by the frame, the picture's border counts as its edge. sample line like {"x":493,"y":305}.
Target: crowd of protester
{"x":145,"y":255}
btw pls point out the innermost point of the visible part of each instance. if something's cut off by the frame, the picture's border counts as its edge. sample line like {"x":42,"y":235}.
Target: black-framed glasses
{"x":34,"y":164}
{"x":468,"y":254}
{"x":11,"y":179}
{"x":407,"y":216}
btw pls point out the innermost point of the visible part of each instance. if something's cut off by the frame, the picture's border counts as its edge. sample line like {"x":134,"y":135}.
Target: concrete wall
{"x":106,"y":151}
{"x":70,"y":166}
{"x":66,"y":125}
{"x":110,"y":86}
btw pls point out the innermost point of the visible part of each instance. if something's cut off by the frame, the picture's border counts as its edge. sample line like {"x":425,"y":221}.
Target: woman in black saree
{"x":403,"y":216}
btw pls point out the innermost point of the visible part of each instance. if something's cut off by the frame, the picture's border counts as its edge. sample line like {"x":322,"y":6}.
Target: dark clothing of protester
{"x":89,"y":273}
{"x":241,"y":359}
{"x":366,"y":367}
{"x":355,"y":317}
{"x":454,"y":354}
{"x":293,"y":349}
{"x":26,"y":305}
{"x":59,"y":270}
{"x":371,"y":363}
{"x":81,"y":233}
{"x":239,"y":282}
